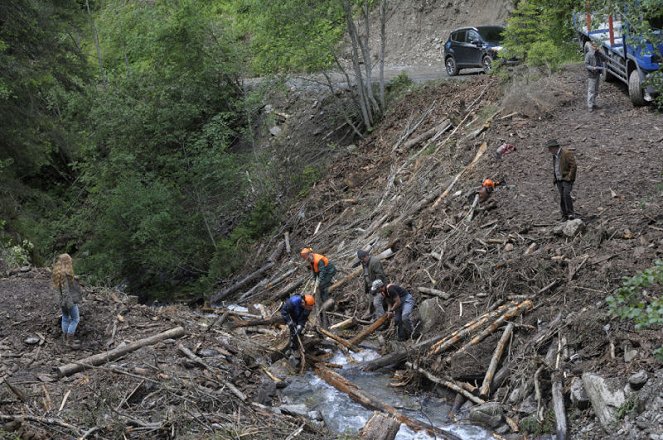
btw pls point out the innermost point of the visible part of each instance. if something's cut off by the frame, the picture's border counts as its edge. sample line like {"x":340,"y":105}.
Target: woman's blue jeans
{"x":70,"y":319}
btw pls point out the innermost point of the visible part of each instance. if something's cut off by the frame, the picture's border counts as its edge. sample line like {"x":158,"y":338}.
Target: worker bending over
{"x":295,"y":313}
{"x":400,"y":304}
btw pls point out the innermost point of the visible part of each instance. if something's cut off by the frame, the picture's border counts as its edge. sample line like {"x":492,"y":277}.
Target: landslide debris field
{"x":407,"y":188}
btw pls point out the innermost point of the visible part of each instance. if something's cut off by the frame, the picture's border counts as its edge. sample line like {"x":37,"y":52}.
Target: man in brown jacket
{"x":564,"y":171}
{"x":373,"y":271}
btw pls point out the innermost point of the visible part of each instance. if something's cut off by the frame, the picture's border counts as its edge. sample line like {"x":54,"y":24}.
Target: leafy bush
{"x":639,"y":299}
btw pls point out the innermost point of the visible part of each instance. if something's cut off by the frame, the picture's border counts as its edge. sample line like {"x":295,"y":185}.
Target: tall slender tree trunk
{"x":97,"y":46}
{"x":354,"y":39}
{"x":383,"y":42}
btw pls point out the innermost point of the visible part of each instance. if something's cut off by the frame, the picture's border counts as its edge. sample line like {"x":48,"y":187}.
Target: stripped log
{"x":371,"y":402}
{"x":497,"y":355}
{"x":369,"y":330}
{"x":492,"y":328}
{"x":347,"y":323}
{"x":188,"y":353}
{"x":440,"y":128}
{"x":434,"y":292}
{"x":447,"y":383}
{"x":273,"y":282}
{"x":558,"y":405}
{"x":283,"y":293}
{"x":468,"y":328}
{"x":249,"y":293}
{"x":102,"y":358}
{"x":220,"y":320}
{"x":274,"y":256}
{"x":286,"y":238}
{"x":380,"y":427}
{"x":218,"y":297}
{"x":343,"y":342}
{"x":257,"y":322}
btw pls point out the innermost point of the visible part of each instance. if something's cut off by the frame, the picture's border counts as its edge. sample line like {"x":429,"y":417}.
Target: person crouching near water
{"x":400,"y":304}
{"x":68,"y":293}
{"x":295,"y":313}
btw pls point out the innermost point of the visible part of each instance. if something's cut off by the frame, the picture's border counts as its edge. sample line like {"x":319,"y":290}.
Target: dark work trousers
{"x":565,"y":201}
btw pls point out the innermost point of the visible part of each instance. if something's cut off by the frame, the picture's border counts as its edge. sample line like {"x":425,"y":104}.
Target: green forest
{"x":121,"y":122}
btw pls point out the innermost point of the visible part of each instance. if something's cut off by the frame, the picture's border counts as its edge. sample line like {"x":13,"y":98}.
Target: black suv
{"x":472,"y":47}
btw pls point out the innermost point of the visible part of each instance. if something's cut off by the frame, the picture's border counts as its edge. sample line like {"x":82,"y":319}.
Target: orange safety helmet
{"x":305,"y":251}
{"x":487,"y":183}
{"x":309,"y":301}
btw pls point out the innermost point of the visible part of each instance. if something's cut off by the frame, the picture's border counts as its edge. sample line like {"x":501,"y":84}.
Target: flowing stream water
{"x":341,"y":414}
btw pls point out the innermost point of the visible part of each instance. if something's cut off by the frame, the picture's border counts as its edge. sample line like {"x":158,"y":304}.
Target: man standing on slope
{"x":564,"y":171}
{"x":594,"y":65}
{"x":373,"y":271}
{"x":323,"y":271}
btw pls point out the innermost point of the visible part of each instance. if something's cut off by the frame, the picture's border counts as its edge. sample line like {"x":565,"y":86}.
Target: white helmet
{"x":377,"y":285}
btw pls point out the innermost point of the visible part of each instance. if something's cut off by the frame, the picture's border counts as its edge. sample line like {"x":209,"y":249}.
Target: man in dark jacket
{"x":295,"y":313}
{"x":400,"y":304}
{"x":564,"y":171}
{"x":373,"y":271}
{"x":595,"y":66}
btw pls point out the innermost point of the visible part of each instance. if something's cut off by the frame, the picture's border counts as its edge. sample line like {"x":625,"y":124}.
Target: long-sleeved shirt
{"x":594,"y":63}
{"x":293,"y":311}
{"x":373,"y":270}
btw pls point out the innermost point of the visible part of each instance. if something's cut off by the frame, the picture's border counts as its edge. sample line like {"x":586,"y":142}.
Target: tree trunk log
{"x":102,"y":358}
{"x":440,"y":128}
{"x":447,"y":383}
{"x":380,"y":427}
{"x":277,"y":252}
{"x":278,"y":279}
{"x":497,"y":355}
{"x":218,"y":297}
{"x":336,"y":338}
{"x":286,"y":237}
{"x":368,"y":401}
{"x":558,"y":406}
{"x":188,"y":353}
{"x":434,"y":292}
{"x":369,"y":330}
{"x":282,"y":294}
{"x":256,"y":322}
{"x":350,"y":322}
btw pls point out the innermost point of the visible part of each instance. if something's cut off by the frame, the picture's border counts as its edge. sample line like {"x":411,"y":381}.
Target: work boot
{"x":72,"y":343}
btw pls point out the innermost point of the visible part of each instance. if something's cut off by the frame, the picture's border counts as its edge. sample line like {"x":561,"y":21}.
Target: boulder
{"x":573,"y":227}
{"x":638,"y":380}
{"x":489,"y":414}
{"x":606,"y":397}
{"x":430,"y":314}
{"x":578,"y":394}
{"x":295,"y":410}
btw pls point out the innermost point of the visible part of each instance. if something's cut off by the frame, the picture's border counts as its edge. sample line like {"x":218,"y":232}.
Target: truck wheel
{"x":635,"y":91}
{"x":486,"y":61}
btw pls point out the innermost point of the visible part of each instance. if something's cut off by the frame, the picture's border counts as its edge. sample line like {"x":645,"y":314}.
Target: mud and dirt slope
{"x":381,"y":193}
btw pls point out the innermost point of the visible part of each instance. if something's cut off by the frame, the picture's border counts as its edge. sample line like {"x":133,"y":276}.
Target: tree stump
{"x":380,"y":427}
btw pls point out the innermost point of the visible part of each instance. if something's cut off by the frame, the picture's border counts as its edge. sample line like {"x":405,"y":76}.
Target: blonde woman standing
{"x":68,"y":293}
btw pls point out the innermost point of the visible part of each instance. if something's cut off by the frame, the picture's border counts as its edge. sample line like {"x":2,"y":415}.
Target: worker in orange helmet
{"x":323,"y":271}
{"x":295,"y":312}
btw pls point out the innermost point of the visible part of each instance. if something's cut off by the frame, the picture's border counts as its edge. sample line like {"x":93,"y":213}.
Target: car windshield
{"x":491,"y":34}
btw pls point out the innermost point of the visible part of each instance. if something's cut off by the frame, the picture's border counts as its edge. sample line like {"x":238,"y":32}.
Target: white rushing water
{"x":343,"y":415}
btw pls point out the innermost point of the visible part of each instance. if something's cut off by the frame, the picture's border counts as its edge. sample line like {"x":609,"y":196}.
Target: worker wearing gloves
{"x":323,"y":271}
{"x":295,"y":313}
{"x":595,"y":66}
{"x":372,"y":271}
{"x":564,"y":171}
{"x":400,"y":304}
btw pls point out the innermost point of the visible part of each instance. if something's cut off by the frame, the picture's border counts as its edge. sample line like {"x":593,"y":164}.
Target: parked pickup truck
{"x":629,"y":58}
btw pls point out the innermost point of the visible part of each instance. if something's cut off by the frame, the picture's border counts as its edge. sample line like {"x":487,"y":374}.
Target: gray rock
{"x":528,"y":406}
{"x":579,"y":396}
{"x":208,"y":352}
{"x":573,"y":227}
{"x":489,"y":414}
{"x":295,"y":410}
{"x":25,"y":268}
{"x":275,"y":130}
{"x":315,"y":415}
{"x":266,"y":392}
{"x":32,"y":340}
{"x":638,"y":380}
{"x":430,"y":314}
{"x":606,"y":397}
{"x":630,"y":354}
